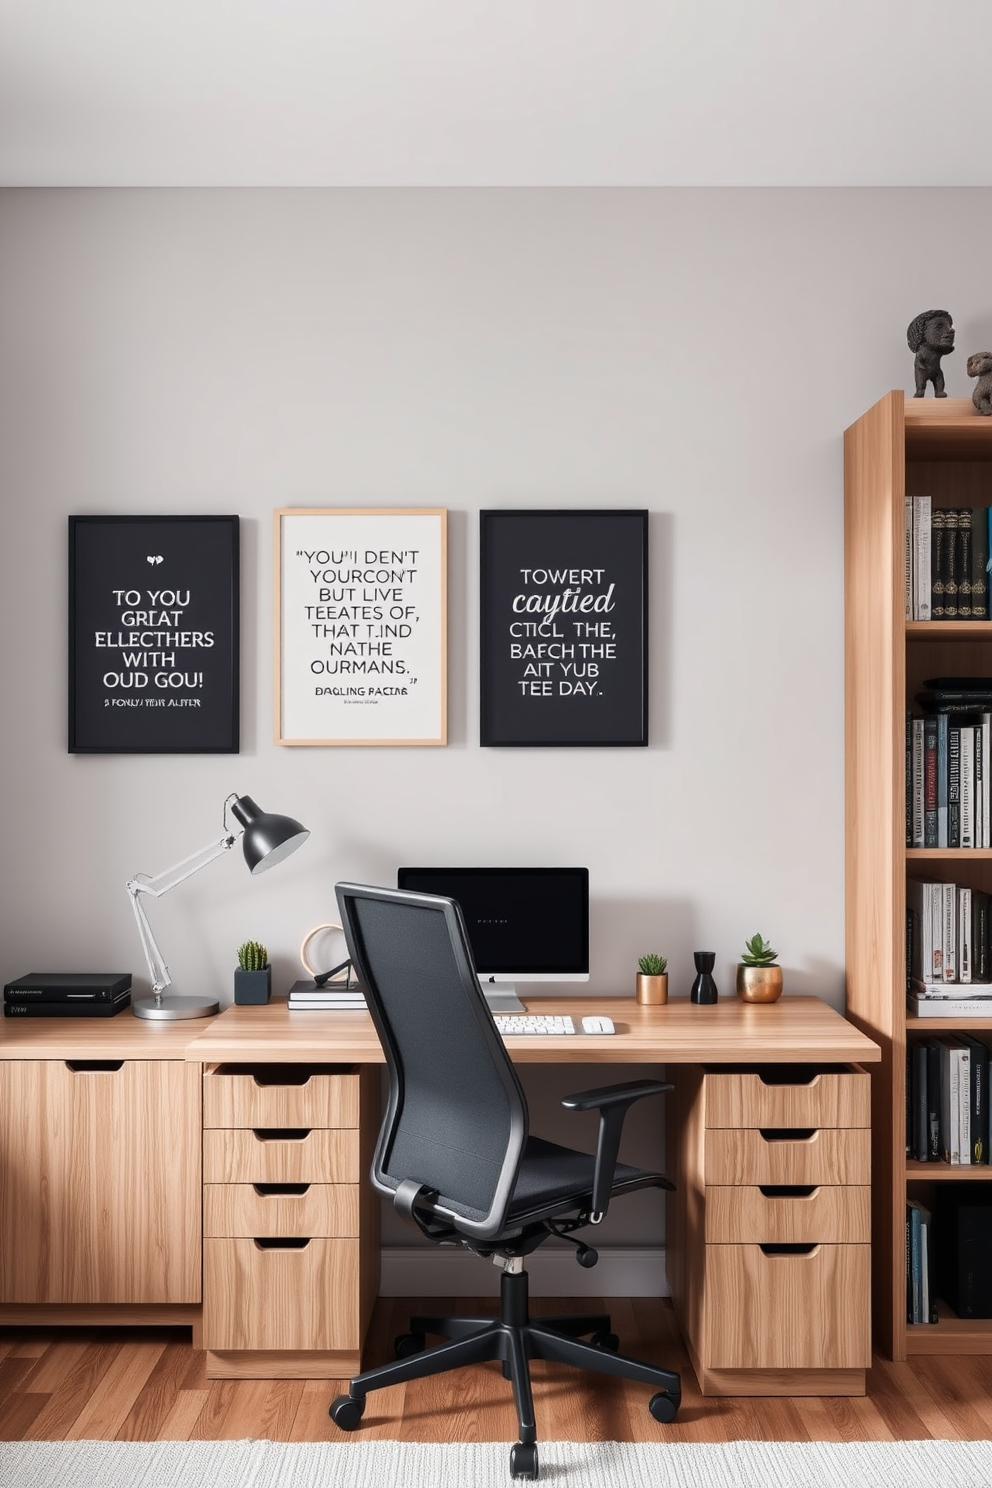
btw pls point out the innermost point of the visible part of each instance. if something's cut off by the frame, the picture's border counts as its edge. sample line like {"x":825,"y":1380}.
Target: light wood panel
{"x":281,"y":1298}
{"x":323,"y":1155}
{"x":266,"y":1096}
{"x":781,"y":1311}
{"x":792,"y":1030}
{"x":99,"y":1182}
{"x":231,"y":1209}
{"x":835,"y":1215}
{"x":832,"y":1156}
{"x":743,"y":1098}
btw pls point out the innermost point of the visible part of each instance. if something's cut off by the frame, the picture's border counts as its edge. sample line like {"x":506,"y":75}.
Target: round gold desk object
{"x":759,"y":983}
{"x":652,"y":990}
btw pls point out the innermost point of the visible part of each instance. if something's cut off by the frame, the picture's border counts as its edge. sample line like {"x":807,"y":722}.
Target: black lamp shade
{"x":268,"y":838}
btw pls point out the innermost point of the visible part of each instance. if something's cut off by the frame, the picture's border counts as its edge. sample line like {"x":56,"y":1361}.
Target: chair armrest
{"x":612,"y":1102}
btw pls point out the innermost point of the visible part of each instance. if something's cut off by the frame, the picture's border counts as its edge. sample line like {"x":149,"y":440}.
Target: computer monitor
{"x":524,"y":924}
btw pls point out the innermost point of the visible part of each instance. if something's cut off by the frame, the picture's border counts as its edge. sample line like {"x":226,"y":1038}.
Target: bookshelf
{"x":901,"y":446}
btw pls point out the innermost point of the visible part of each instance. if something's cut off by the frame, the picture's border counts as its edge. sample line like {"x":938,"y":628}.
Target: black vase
{"x":704,"y":987}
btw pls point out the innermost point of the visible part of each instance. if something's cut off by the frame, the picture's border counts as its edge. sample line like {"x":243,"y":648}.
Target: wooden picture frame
{"x":564,"y":628}
{"x":154,"y":635}
{"x":361,"y":626}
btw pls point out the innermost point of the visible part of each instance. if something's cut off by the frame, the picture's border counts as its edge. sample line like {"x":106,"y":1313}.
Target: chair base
{"x":514,"y":1338}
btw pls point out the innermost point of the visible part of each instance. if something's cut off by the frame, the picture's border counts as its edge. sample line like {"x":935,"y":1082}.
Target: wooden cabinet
{"x":769,"y":1229}
{"x":99,"y":1183}
{"x":291,"y":1234}
{"x":902,"y":446}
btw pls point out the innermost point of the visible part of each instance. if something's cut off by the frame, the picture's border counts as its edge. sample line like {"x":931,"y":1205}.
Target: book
{"x":909,"y":778}
{"x":984,"y":797}
{"x":67,"y":1009}
{"x":913,"y":1290}
{"x":948,"y":1007}
{"x":967,"y":785}
{"x":922,"y":508}
{"x":981,"y":970}
{"x":950,"y":1149}
{"x":908,"y":555}
{"x":950,"y":991}
{"x":952,"y":564}
{"x":964,"y":936}
{"x":979,"y":563}
{"x":939,"y":562}
{"x":962,"y":564}
{"x":933,"y":1099}
{"x":953,"y":783}
{"x":949,"y":938}
{"x":962,"y":1057}
{"x":979,"y":1098}
{"x":917,"y":783}
{"x":919,"y":1147}
{"x":930,"y":781}
{"x":943,"y":723}
{"x":918,"y":903}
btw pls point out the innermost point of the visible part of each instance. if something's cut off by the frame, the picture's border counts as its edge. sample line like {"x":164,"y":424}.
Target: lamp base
{"x":170,"y":1009}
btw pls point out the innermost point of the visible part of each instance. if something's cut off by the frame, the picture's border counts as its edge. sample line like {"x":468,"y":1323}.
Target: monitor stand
{"x":501,"y":997}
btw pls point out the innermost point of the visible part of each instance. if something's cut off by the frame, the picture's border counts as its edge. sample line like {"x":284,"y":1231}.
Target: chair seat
{"x":551,"y":1177}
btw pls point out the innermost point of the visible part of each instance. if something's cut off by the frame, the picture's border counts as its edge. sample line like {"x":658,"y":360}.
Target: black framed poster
{"x":564,"y":627}
{"x":154,"y":635}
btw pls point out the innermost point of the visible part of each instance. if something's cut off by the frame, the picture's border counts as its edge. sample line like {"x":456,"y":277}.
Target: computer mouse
{"x":597,"y":1025}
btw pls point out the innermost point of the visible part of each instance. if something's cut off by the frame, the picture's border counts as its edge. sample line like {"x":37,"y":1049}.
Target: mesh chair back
{"x":456,"y":1119}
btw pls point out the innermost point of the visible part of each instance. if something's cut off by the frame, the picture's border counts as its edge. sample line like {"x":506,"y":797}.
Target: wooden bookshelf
{"x":901,"y":446}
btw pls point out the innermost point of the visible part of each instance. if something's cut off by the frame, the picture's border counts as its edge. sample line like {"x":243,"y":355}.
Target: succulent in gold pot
{"x":652,"y":980}
{"x":759,"y":977}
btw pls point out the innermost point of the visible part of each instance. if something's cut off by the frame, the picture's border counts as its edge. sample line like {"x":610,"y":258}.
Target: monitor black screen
{"x":523,"y":923}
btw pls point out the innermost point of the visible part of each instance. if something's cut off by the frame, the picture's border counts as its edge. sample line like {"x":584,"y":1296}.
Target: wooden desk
{"x":113,"y":1233}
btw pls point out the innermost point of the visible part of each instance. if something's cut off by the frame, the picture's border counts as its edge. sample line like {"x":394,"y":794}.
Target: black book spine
{"x":952,"y":562}
{"x":938,"y":562}
{"x":979,"y":563}
{"x":979,"y":1099}
{"x":909,"y":779}
{"x":953,"y":785}
{"x":979,"y":936}
{"x":933,"y":1102}
{"x":963,"y":566}
{"x":921,"y":1131}
{"x":930,"y":781}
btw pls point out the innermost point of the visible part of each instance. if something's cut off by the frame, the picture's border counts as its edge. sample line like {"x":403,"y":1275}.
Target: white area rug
{"x":265,"y":1464}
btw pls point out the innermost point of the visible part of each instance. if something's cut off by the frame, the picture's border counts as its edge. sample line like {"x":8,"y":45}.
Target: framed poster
{"x":564,"y":597}
{"x":361,"y":625}
{"x":154,"y":635}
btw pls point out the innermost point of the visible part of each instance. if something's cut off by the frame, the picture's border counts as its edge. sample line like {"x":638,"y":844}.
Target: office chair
{"x":456,"y":1157}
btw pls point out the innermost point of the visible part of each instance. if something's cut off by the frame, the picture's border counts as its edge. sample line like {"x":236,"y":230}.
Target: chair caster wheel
{"x":608,"y":1341}
{"x":663,"y":1407}
{"x":523,"y":1460}
{"x":346,"y":1412}
{"x":409,"y":1343}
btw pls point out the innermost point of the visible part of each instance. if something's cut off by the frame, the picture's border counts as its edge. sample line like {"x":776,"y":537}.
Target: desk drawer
{"x":281,"y":1156}
{"x":833,"y":1155}
{"x":805,"y":1311}
{"x":827,"y":1098}
{"x":240,"y":1210}
{"x":297,"y":1296}
{"x":839,"y":1215}
{"x":280,"y":1095}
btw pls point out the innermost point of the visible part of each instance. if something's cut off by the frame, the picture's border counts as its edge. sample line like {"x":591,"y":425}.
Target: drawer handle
{"x":85,"y":1066}
{"x":787,"y":1133}
{"x":282,"y":1243}
{"x":784,"y":1249}
{"x":264,"y":1190}
{"x":787,"y":1190}
{"x":281,"y":1133}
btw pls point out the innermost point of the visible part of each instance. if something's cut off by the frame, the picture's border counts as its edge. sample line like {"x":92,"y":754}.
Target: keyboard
{"x":515,"y":1023}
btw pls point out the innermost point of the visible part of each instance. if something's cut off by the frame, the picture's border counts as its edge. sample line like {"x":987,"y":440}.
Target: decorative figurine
{"x":980,"y":366}
{"x":704,"y":987}
{"x":931,"y":336}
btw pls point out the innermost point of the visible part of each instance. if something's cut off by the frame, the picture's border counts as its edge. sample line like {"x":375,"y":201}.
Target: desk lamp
{"x":267,"y":840}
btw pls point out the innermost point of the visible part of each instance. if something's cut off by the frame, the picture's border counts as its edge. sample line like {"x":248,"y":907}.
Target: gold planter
{"x":652,"y":990}
{"x":759,"y":983}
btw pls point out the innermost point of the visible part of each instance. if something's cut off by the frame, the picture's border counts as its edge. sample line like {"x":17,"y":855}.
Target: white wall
{"x":698,"y":353}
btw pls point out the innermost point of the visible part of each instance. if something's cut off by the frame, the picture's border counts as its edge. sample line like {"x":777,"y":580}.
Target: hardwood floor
{"x":149,"y":1385}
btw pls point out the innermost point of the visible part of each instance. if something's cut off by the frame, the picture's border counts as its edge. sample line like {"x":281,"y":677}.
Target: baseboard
{"x":410,"y":1271}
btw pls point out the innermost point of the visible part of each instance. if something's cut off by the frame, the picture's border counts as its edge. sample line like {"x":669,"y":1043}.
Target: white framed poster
{"x":361,"y":625}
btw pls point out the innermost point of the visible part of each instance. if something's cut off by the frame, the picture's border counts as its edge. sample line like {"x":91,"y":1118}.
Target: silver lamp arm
{"x":142,"y":884}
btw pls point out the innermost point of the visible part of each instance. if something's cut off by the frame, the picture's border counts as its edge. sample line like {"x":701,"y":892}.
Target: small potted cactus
{"x":253,"y":977}
{"x":759,"y":978}
{"x":652,"y":979}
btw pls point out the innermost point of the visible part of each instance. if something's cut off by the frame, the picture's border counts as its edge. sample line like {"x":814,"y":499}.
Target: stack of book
{"x":947,"y":1100}
{"x":949,"y":945}
{"x":921,"y":1306}
{"x":67,"y":994}
{"x":949,"y":764}
{"x":342,"y":995}
{"x":947,"y":561}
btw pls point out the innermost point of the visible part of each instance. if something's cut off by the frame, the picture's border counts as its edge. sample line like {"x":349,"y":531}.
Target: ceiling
{"x":495,"y":92}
